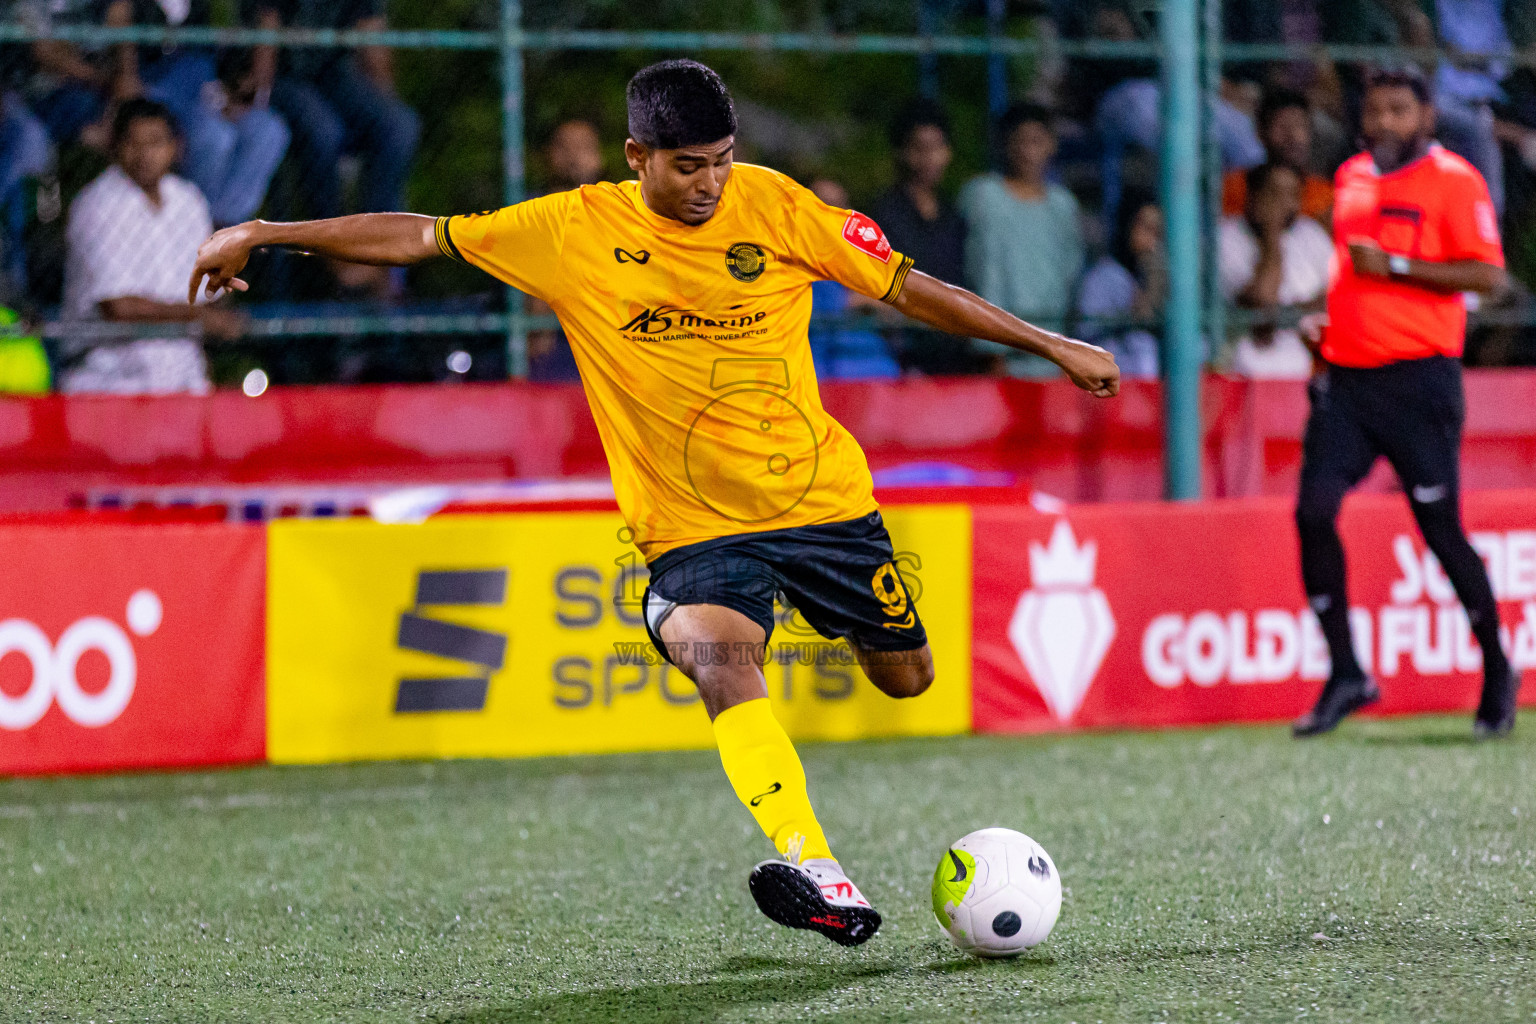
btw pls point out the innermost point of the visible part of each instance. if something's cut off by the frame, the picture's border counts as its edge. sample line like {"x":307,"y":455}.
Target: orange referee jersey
{"x":692,"y":346}
{"x":1435,"y":209}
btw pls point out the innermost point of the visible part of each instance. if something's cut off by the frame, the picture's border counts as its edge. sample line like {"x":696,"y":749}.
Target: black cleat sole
{"x":789,"y":898}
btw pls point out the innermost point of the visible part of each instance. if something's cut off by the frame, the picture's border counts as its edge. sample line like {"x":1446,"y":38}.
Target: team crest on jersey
{"x":745,"y":261}
{"x":865,"y":235}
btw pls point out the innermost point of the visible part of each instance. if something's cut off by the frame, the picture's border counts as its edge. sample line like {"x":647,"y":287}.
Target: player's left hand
{"x":1368,"y":258}
{"x":1090,"y":368}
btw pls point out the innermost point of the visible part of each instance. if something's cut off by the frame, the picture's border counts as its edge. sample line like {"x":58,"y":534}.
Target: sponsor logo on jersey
{"x":865,"y":235}
{"x":745,"y":261}
{"x":625,"y":256}
{"x":650,"y":323}
{"x":1487,"y":221}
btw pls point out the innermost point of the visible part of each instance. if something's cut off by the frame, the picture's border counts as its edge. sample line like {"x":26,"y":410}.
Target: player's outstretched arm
{"x":381,"y":239}
{"x":958,"y":311}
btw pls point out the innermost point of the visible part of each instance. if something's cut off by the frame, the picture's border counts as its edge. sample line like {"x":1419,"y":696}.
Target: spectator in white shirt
{"x":1272,"y":256}
{"x":131,"y":245}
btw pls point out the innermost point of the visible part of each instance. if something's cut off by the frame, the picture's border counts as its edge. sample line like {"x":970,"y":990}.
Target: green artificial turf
{"x":1381,"y":874}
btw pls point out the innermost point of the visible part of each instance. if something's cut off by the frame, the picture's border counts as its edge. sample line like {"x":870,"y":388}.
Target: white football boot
{"x":816,"y":895}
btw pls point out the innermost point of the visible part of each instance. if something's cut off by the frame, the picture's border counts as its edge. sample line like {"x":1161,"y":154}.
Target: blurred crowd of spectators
{"x":1021,"y":239}
{"x":1064,"y":232}
{"x":224,"y":121}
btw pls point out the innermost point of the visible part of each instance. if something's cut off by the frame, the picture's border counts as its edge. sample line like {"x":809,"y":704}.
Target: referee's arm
{"x":1371,"y":260}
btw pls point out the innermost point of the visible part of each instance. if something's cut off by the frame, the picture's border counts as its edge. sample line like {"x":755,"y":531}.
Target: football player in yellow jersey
{"x":686,"y":297}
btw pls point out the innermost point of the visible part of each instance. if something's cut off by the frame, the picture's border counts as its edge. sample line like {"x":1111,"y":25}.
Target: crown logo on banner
{"x":1062,"y":626}
{"x":1063,"y":563}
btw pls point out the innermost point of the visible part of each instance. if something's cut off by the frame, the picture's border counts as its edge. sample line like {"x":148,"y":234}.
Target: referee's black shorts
{"x":1411,"y":412}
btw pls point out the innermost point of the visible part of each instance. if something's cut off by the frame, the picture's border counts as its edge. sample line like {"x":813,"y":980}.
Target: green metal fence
{"x":1189,"y":51}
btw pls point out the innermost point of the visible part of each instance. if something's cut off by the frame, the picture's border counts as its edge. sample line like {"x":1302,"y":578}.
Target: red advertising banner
{"x":1154,"y":615}
{"x":130,"y":646}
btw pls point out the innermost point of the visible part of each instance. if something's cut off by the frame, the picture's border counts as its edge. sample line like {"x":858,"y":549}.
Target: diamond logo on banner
{"x":1062,"y":626}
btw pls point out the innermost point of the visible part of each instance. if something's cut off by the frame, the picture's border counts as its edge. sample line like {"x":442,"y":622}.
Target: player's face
{"x":683,"y":184}
{"x":147,"y":151}
{"x":1395,"y":125}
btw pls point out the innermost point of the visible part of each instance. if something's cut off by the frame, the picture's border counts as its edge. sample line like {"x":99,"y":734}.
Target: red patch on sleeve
{"x":865,"y":235}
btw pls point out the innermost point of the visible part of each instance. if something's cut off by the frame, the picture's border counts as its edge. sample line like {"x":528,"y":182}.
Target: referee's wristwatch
{"x":1399,"y":266}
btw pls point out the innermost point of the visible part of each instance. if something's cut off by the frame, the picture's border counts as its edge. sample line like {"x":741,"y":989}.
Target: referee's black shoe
{"x":1340,"y":697}
{"x":1496,"y":709}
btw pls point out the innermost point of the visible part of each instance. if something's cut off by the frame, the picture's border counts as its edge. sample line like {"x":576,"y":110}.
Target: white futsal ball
{"x":996,"y":893}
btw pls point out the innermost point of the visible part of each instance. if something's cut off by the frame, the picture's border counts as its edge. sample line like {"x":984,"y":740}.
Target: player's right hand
{"x":219,"y":259}
{"x":1090,"y":368}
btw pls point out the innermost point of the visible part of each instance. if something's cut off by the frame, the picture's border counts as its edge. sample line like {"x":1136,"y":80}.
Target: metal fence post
{"x":997,"y":64}
{"x":512,"y":162}
{"x":1181,"y":206}
{"x":1215,"y":302}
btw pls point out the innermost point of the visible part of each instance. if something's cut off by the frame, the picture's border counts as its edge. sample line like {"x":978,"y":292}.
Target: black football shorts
{"x":840,"y":577}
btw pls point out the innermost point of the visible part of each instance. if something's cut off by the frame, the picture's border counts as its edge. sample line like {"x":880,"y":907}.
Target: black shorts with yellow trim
{"x":840,"y":578}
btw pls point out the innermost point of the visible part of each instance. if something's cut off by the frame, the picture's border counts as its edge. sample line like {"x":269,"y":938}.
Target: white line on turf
{"x":232,"y":802}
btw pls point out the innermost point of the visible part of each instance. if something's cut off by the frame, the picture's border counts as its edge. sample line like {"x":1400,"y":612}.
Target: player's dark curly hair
{"x":678,"y":103}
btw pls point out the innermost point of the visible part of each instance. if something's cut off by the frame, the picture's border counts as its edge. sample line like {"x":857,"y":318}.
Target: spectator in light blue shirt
{"x":1024,"y":239}
{"x":1469,"y":83}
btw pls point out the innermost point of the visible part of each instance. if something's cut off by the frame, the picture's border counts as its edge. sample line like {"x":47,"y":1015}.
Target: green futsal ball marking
{"x":951,"y":881}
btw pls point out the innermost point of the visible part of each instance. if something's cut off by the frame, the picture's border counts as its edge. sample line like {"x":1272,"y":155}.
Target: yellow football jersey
{"x":692,"y":345}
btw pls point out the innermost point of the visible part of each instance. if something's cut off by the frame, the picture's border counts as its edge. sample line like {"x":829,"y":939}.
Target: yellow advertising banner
{"x":521,"y":635}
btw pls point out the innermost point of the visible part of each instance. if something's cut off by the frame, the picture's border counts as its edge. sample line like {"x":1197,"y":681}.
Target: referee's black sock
{"x":1440,"y":522}
{"x":1322,"y":571}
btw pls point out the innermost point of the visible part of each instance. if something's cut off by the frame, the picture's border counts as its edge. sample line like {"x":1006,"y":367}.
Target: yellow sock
{"x":766,"y":774}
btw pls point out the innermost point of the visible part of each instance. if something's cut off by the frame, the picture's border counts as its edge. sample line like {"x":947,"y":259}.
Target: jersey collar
{"x":656,"y":220}
{"x":1429,"y":151}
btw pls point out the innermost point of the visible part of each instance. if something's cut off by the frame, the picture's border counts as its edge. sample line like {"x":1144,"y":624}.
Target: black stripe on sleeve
{"x":445,"y":240}
{"x":898,"y":281}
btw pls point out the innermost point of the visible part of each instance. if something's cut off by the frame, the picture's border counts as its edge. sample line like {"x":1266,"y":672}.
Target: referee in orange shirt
{"x":1414,"y":228}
